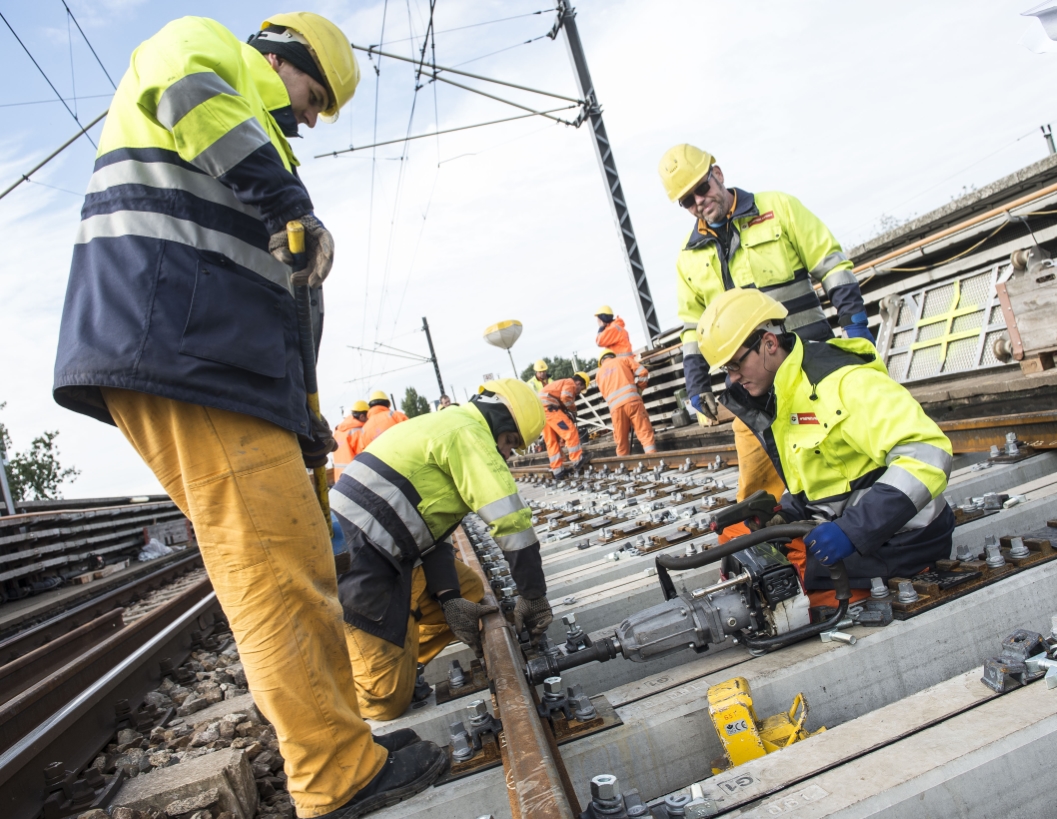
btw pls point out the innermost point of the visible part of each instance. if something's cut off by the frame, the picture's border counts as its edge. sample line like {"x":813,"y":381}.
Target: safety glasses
{"x":735,"y":366}
{"x":702,"y":188}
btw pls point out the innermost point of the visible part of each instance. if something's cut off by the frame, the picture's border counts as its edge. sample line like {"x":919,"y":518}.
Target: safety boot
{"x":407,"y":771}
{"x":395,"y":740}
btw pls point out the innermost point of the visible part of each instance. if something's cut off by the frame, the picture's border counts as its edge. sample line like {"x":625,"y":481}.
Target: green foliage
{"x":414,"y":404}
{"x":557,"y":368}
{"x":35,"y":474}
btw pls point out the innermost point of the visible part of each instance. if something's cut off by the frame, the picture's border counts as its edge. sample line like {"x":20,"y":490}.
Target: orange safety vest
{"x":379,"y":419}
{"x":618,"y":382}
{"x":614,"y":337}
{"x":559,"y":395}
{"x":347,"y":435}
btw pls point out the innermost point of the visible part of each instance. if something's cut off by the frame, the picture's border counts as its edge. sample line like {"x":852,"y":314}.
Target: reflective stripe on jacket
{"x":852,"y":445}
{"x":778,"y":246}
{"x":613,"y":336}
{"x":172,"y":290}
{"x":618,"y":382}
{"x":399,"y":501}
{"x":379,"y":419}
{"x":559,"y":395}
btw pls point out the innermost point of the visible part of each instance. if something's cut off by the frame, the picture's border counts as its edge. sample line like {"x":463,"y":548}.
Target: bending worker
{"x":612,"y":335}
{"x":622,"y":388}
{"x":765,"y":240}
{"x":540,"y":376}
{"x":406,"y":595}
{"x":347,"y":435}
{"x":856,"y":451}
{"x":179,"y":327}
{"x":379,"y":418}
{"x":559,"y":400}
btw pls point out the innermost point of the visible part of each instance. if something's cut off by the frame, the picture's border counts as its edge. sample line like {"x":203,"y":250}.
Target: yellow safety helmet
{"x":524,"y":405}
{"x":540,"y":366}
{"x":332,"y":52}
{"x":360,"y":406}
{"x":731,"y":318}
{"x":378,"y":395}
{"x":603,"y":354}
{"x":604,"y":310}
{"x":583,"y":377}
{"x":682,"y":167}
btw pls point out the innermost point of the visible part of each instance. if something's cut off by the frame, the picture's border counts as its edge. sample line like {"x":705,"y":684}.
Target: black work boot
{"x":406,"y":772}
{"x":395,"y":740}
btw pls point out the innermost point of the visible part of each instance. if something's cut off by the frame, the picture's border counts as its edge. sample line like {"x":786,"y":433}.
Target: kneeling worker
{"x":855,"y":450}
{"x":406,"y":595}
{"x":559,"y":399}
{"x":622,"y":390}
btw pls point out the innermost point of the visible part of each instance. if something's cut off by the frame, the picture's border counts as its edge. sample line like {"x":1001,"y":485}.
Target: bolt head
{"x":569,"y":619}
{"x":553,"y":686}
{"x":478,"y":709}
{"x":604,"y":786}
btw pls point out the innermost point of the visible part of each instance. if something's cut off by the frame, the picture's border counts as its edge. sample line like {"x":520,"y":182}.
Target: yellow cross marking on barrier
{"x":953,"y":313}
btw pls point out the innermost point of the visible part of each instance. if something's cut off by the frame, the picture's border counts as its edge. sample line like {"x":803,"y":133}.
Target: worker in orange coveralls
{"x":621,"y":382}
{"x":559,"y":400}
{"x":347,"y":435}
{"x":611,"y":333}
{"x":379,"y":418}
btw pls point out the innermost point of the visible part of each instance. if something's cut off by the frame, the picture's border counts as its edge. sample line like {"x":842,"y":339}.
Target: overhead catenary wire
{"x":501,"y":99}
{"x":89,"y":44}
{"x":26,"y":176}
{"x":501,"y":50}
{"x":471,"y":25}
{"x":52,"y":102}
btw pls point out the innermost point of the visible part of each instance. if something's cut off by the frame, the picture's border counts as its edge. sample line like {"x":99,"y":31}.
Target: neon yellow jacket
{"x":403,"y":496}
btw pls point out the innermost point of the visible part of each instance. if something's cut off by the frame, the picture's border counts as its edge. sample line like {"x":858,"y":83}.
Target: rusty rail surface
{"x":534,"y":772}
{"x":699,"y":456}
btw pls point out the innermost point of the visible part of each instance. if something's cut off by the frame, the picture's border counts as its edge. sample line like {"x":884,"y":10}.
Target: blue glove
{"x":337,"y":536}
{"x":828,"y":543}
{"x":858,"y":328}
{"x":705,"y":404}
{"x":695,"y":402}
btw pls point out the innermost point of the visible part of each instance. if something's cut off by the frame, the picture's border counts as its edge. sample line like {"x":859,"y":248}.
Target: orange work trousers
{"x":560,"y":429}
{"x":632,"y":414}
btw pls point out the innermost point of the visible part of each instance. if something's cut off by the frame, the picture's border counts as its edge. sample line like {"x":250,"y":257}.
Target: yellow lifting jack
{"x":744,"y":737}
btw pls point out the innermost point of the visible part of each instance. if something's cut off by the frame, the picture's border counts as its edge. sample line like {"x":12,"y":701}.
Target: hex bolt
{"x":964,"y":552}
{"x":456,"y":677}
{"x":54,"y":773}
{"x":878,"y":589}
{"x":1011,"y":444}
{"x":907,"y":592}
{"x":479,"y":713}
{"x":995,"y":452}
{"x":461,"y":747}
{"x":994,"y":556}
{"x":690,"y":550}
{"x":676,"y":803}
{"x":552,"y":688}
{"x":508,"y":592}
{"x":604,"y":792}
{"x":1018,"y":548}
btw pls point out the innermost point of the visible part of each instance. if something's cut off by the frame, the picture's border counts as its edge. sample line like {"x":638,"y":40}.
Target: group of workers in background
{"x":193,"y":186}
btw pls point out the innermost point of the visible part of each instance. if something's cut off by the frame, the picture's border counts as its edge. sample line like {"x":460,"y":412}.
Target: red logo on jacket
{"x":803,"y":418}
{"x":763,"y":217}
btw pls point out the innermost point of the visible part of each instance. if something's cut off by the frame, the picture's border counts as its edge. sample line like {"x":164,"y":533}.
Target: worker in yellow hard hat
{"x":612,"y":334}
{"x":540,"y":376}
{"x":347,"y":434}
{"x":180,"y":327}
{"x":858,"y":453}
{"x":765,"y":240}
{"x":406,"y":595}
{"x":380,"y":417}
{"x":559,"y":400}
{"x":621,"y":382}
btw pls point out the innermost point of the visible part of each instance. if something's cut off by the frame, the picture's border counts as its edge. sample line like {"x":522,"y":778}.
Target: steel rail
{"x":534,"y":769}
{"x":725,"y":451}
{"x":1039,"y":429}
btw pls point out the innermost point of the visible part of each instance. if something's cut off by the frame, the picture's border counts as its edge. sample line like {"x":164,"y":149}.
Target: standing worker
{"x":765,"y":240}
{"x":540,"y":376}
{"x":347,"y":435}
{"x":379,"y":418}
{"x":612,"y":335}
{"x":622,"y":390}
{"x":856,"y":451}
{"x":405,"y":595}
{"x":179,"y":327}
{"x":559,"y":400}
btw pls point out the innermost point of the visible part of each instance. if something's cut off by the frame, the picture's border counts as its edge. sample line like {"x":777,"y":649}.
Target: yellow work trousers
{"x":627,"y":415}
{"x":755,"y":470}
{"x":385,"y":673}
{"x":267,"y":550}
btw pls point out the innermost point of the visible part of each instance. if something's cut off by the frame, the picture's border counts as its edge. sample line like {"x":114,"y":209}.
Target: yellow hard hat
{"x":682,"y":167}
{"x":332,"y":51}
{"x":731,"y":318}
{"x":603,"y":354}
{"x":604,"y":310}
{"x":540,"y":366}
{"x":378,"y":395}
{"x":360,"y":406}
{"x":524,"y":405}
{"x":583,"y":377}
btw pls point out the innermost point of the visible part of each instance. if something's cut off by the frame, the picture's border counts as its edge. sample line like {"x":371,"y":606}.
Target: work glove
{"x":462,"y":617}
{"x":319,"y":249}
{"x":706,"y":405}
{"x":858,"y":329}
{"x":534,"y":615}
{"x":828,"y":543}
{"x":318,"y":444}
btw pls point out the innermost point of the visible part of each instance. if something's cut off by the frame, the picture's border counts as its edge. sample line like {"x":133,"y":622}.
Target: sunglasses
{"x":735,"y":366}
{"x":689,"y":200}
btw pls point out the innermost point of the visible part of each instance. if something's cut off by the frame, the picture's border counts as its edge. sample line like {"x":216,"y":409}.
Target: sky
{"x":866,"y":112}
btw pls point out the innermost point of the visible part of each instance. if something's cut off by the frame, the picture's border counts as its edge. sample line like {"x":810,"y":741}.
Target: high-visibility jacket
{"x":613,"y":336}
{"x":778,"y":246}
{"x":379,"y":419}
{"x":401,"y":499}
{"x":536,"y":384}
{"x":559,"y":395}
{"x":853,"y":446}
{"x":172,"y":290}
{"x":619,"y":383}
{"x":347,"y":435}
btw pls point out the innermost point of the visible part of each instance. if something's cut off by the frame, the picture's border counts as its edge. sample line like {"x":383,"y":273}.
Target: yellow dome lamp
{"x":504,"y":334}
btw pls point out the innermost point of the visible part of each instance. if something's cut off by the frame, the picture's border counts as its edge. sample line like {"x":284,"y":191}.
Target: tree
{"x":35,"y":474}
{"x":557,"y":367}
{"x":414,"y":404}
